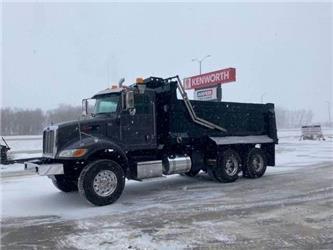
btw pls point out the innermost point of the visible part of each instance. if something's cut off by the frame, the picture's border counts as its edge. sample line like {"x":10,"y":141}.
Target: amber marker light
{"x":139,"y":80}
{"x":79,"y":152}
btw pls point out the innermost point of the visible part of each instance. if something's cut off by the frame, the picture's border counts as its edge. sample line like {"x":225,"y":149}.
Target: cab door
{"x":138,"y":125}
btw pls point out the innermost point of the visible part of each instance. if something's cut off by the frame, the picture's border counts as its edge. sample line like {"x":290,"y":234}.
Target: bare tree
{"x":292,"y":118}
{"x":63,"y":113}
{"x":21,"y":121}
{"x":29,"y":122}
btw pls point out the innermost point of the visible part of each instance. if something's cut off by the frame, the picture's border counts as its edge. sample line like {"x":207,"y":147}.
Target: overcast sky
{"x":61,"y":53}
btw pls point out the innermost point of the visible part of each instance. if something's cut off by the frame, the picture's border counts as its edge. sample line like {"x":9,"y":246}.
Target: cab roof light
{"x":139,"y":80}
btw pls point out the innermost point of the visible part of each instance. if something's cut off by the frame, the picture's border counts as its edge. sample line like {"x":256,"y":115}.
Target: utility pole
{"x":329,"y":112}
{"x":218,"y":88}
{"x":200,"y":61}
{"x":262,"y":97}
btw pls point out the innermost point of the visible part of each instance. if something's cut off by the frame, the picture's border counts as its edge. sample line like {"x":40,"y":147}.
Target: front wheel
{"x":101,"y":182}
{"x":64,"y":183}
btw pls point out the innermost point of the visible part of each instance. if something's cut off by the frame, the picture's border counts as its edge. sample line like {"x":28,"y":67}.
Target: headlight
{"x":78,"y":152}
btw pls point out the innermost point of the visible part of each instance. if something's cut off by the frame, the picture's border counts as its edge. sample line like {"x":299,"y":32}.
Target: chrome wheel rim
{"x":258,"y":163}
{"x":105,"y":183}
{"x":231,"y":166}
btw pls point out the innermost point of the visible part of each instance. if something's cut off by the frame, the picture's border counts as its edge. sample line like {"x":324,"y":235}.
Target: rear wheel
{"x":255,"y":164}
{"x":102,"y":182}
{"x":192,"y":173}
{"x":63,"y":183}
{"x":228,"y":165}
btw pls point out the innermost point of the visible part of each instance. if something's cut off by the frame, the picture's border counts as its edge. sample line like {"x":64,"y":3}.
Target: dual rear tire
{"x":255,"y":164}
{"x":227,"y":167}
{"x":229,"y":164}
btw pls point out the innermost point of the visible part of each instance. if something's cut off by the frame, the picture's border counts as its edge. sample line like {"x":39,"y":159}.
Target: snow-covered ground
{"x":27,"y":188}
{"x":291,"y":152}
{"x":29,"y":200}
{"x":28,"y":144}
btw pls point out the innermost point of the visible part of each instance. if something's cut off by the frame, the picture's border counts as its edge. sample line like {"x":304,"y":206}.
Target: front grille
{"x":48,"y":142}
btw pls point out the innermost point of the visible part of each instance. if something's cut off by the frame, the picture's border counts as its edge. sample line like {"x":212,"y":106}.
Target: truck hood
{"x":68,"y":132}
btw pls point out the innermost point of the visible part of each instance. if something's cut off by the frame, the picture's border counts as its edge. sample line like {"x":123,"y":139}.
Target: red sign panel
{"x":210,"y":79}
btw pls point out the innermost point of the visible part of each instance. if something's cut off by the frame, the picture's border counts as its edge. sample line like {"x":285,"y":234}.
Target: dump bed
{"x":239,"y":119}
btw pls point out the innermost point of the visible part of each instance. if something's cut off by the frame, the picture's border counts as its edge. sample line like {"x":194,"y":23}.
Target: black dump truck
{"x":145,"y":131}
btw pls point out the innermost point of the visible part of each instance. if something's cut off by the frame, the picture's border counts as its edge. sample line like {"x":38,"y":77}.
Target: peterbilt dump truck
{"x":145,"y":131}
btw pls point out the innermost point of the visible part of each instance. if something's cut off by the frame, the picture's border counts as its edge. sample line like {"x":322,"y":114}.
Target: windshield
{"x":107,"y":104}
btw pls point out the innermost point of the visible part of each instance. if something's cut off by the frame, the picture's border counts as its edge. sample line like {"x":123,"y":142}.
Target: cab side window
{"x":142,"y":104}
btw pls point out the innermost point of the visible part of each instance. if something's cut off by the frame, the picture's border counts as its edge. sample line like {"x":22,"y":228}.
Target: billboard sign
{"x":208,"y":94}
{"x":210,"y":79}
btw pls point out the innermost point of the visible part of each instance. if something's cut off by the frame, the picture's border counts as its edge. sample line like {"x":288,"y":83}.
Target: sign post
{"x":208,"y":86}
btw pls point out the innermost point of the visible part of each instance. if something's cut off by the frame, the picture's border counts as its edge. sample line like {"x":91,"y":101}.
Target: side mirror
{"x":129,"y":103}
{"x":84,"y":107}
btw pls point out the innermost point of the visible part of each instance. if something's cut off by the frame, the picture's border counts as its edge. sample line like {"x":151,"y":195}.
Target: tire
{"x":255,"y":164}
{"x":228,"y":166}
{"x":64,"y":183}
{"x":101,"y":182}
{"x":192,"y":173}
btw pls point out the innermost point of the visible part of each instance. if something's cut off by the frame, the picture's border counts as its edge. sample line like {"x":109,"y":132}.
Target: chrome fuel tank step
{"x":154,"y":169}
{"x":177,"y":165}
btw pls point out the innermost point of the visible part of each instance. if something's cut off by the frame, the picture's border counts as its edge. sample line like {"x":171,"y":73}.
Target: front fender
{"x":94,"y":145}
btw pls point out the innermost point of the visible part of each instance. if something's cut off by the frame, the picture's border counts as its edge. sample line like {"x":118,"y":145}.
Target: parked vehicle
{"x":312,"y":132}
{"x":144,"y":131}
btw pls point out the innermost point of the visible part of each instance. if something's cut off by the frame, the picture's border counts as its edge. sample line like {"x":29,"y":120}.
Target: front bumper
{"x":44,"y":169}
